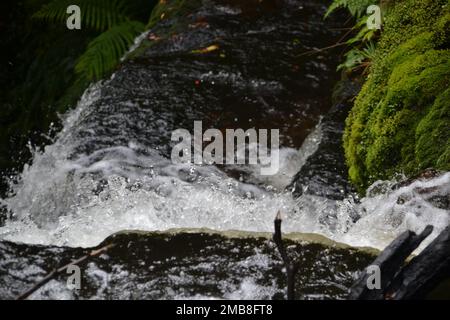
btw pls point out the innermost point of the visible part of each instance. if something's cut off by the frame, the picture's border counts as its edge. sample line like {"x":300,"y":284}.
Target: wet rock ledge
{"x":325,"y":172}
{"x":173,"y":265}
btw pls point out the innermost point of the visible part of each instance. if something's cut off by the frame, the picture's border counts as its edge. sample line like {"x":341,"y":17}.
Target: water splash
{"x":79,"y":201}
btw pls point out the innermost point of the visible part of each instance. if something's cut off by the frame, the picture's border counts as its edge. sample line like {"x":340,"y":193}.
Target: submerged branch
{"x":62,"y":269}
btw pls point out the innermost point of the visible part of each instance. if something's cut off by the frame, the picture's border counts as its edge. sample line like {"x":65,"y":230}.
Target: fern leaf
{"x":357,"y":8}
{"x":105,"y":51}
{"x":334,"y":6}
{"x":369,"y":51}
{"x":353,"y":58}
{"x":95,"y":14}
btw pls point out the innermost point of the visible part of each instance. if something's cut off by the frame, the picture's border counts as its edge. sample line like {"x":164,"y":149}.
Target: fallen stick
{"x":60,"y":270}
{"x":322,"y":49}
{"x":291,"y":269}
{"x":391,"y":262}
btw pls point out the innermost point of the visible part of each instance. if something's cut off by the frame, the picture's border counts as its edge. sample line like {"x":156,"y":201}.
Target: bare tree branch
{"x":322,"y":49}
{"x":62,"y":269}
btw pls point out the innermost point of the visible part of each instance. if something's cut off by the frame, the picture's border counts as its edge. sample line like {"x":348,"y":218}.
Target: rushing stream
{"x":109,"y":170}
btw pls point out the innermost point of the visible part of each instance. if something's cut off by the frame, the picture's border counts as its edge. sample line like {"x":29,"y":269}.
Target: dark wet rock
{"x":3,"y":214}
{"x":176,"y":265}
{"x":389,"y":261}
{"x":254,"y":79}
{"x":417,"y":279}
{"x":425,"y":272}
{"x":325,"y":173}
{"x":346,"y":90}
{"x":436,"y":196}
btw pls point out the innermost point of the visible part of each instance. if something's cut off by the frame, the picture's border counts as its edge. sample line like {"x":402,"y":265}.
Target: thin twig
{"x":60,"y":270}
{"x":340,"y":29}
{"x":322,"y":49}
{"x":345,"y":35}
{"x":337,"y":44}
{"x":291,"y":269}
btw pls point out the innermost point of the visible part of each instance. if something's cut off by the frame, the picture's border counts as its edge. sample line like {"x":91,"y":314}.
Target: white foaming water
{"x":79,"y":201}
{"x":391,"y":212}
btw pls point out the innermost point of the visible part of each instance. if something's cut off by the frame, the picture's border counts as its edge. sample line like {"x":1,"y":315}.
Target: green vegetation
{"x":357,"y":8}
{"x":113,"y":18}
{"x":400,"y":122}
{"x":362,"y":46}
{"x":46,"y":67}
{"x":37,"y":78}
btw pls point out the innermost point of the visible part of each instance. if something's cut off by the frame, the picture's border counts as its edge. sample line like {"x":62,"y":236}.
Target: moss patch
{"x":400,"y":120}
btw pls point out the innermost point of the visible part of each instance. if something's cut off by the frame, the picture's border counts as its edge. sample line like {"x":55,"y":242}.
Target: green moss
{"x":432,"y":135}
{"x":400,"y":120}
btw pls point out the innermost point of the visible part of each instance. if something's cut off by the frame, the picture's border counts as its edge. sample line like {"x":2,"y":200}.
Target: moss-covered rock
{"x":400,"y":121}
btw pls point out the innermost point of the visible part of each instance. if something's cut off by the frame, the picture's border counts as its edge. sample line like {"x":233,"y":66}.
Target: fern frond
{"x":357,"y":8}
{"x":95,"y":14}
{"x":334,"y":6}
{"x":369,"y":51}
{"x":356,"y":58}
{"x":364,"y":34}
{"x":106,"y":50}
{"x":363,"y":30}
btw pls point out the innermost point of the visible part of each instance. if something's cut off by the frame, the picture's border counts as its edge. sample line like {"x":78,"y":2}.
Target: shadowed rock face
{"x":424,"y":276}
{"x":170,"y":266}
{"x":425,"y":272}
{"x":325,"y":172}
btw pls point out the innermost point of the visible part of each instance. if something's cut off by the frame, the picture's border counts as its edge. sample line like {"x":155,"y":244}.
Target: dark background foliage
{"x":37,"y":78}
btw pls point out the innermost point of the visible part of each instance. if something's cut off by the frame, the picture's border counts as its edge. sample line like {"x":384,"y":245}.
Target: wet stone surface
{"x":183,"y":265}
{"x":253,"y":78}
